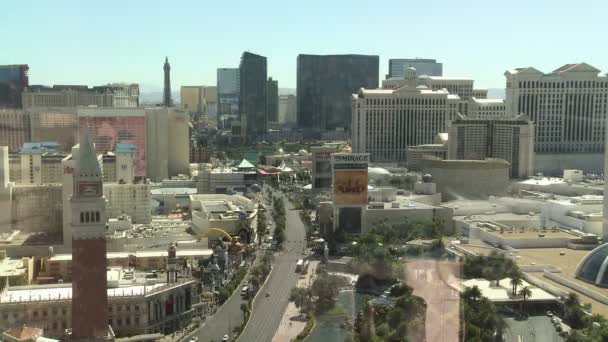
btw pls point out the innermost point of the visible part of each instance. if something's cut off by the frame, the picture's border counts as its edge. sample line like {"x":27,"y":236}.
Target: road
{"x":268,"y":311}
{"x":535,"y":328}
{"x":224,"y":320}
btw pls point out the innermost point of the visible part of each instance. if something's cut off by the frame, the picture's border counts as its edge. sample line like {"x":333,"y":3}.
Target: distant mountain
{"x":156,"y":97}
{"x":496,"y":93}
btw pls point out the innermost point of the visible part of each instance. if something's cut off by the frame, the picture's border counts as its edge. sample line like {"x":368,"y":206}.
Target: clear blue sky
{"x":86,"y":42}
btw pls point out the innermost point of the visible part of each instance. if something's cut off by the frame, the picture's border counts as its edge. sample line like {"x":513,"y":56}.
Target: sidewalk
{"x":290,"y":325}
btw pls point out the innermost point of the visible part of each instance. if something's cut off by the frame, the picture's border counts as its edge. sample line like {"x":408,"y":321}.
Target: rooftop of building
{"x":421,"y":90}
{"x":569,"y":67}
{"x":24,"y":333}
{"x":216,"y":169}
{"x":445,"y":78}
{"x":503,"y":292}
{"x":121,"y":283}
{"x":43,"y":147}
{"x":124,"y":148}
{"x":400,"y":203}
{"x":514,"y":233}
{"x":564,"y":261}
{"x":492,"y":102}
{"x":160,"y":226}
{"x":184,"y":253}
{"x":10,"y":267}
{"x":173,"y":191}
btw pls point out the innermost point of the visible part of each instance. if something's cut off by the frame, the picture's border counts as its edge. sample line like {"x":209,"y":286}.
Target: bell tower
{"x":89,"y":263}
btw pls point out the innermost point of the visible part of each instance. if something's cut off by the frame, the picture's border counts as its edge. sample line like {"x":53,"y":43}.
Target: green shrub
{"x":310,"y":324}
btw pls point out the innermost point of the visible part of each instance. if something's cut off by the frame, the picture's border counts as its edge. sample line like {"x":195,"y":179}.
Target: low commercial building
{"x":469,"y":179}
{"x":169,"y":199}
{"x":559,"y":186}
{"x":582,"y":213}
{"x":400,"y":209}
{"x":217,"y":179}
{"x":18,"y":271}
{"x":438,"y":149}
{"x":303,"y":157}
{"x":59,"y":266}
{"x":137,"y":304}
{"x":506,"y":232}
{"x":234,"y":214}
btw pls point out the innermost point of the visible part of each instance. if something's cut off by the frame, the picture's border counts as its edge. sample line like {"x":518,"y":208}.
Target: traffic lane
{"x":268,"y":311}
{"x":224,"y":320}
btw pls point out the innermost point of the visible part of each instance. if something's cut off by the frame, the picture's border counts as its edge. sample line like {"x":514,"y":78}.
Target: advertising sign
{"x":350,"y":178}
{"x":350,"y":187}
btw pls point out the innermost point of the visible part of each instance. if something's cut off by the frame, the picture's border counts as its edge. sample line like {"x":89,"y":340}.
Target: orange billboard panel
{"x":350,"y":187}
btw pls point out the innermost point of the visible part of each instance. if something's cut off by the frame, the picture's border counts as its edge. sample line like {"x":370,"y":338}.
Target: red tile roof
{"x":24,"y":333}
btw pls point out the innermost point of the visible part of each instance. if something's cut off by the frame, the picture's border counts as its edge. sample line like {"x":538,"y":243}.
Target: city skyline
{"x":58,"y":54}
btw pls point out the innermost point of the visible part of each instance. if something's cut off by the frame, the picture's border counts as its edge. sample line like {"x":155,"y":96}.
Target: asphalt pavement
{"x":535,"y":328}
{"x":228,"y":316}
{"x":268,"y":311}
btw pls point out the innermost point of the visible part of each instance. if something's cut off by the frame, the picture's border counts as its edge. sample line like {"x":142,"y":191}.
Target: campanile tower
{"x":89,"y":263}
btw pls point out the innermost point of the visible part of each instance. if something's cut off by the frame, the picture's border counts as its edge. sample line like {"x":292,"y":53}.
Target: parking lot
{"x":535,"y":328}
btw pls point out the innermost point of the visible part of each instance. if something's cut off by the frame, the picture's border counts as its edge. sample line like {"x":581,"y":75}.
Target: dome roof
{"x":302,"y":152}
{"x":378,"y":171}
{"x":594,"y":266}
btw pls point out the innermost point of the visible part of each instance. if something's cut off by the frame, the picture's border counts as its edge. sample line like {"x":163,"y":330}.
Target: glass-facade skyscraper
{"x":325,"y":85}
{"x":252,"y":101}
{"x":272,"y":102}
{"x":228,"y":88}
{"x":423,"y":66}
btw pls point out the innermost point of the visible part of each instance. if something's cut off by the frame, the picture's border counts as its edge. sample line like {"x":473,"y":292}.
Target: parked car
{"x":226,"y":338}
{"x":549,"y":313}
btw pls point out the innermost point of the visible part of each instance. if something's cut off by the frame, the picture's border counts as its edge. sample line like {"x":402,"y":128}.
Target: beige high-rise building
{"x":288,"y":110}
{"x":111,"y":95}
{"x":463,"y":87}
{"x":199,"y":99}
{"x":568,"y":107}
{"x":167,"y":151}
{"x":500,"y":138}
{"x":487,"y":109}
{"x":54,"y":124}
{"x":387,"y":121}
{"x":15,"y":128}
{"x":40,"y":163}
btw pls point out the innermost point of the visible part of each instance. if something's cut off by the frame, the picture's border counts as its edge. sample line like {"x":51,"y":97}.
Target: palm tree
{"x":472,"y":294}
{"x":516,"y":280}
{"x":526,"y":293}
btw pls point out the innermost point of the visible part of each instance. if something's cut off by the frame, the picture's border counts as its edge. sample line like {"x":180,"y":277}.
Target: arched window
{"x":87,"y":218}
{"x":81,"y":217}
{"x":97,"y":216}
